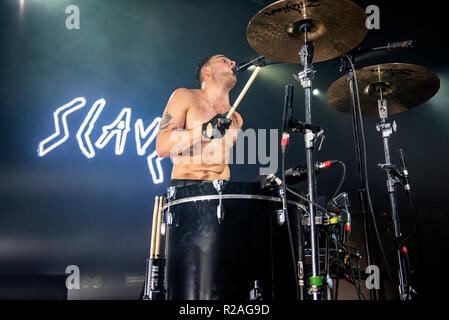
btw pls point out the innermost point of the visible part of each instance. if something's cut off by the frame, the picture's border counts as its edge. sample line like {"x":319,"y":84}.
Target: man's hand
{"x":216,"y":127}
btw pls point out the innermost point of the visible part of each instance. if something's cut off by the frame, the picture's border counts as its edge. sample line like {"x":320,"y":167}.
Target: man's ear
{"x":206,"y":71}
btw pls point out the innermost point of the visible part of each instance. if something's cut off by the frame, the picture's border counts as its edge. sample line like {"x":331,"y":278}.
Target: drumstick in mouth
{"x":245,"y":89}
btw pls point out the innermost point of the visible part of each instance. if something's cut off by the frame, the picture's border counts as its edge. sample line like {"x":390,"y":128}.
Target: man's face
{"x":220,"y":68}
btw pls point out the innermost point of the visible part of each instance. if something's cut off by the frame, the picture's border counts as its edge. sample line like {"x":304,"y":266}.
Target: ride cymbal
{"x":337,"y":26}
{"x":405,"y":86}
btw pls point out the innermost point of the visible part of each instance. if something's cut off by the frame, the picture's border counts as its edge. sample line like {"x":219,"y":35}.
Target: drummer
{"x":194,"y":131}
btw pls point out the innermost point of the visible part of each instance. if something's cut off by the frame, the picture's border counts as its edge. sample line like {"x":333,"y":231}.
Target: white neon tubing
{"x":160,"y":174}
{"x":67,"y":109}
{"x":121,"y":132}
{"x":141,"y":133}
{"x":84,"y":136}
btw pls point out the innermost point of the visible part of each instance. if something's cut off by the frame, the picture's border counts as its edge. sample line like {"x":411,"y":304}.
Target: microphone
{"x":286,"y":116}
{"x":395,"y":45}
{"x":389,"y":46}
{"x":362,"y":54}
{"x":245,"y":65}
{"x":299,"y":173}
{"x":404,"y":170}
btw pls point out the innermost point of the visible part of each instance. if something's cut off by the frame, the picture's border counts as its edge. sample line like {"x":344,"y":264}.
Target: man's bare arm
{"x":171,"y":128}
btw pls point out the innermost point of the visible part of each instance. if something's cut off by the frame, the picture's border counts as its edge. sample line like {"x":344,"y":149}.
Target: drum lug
{"x":255,"y":293}
{"x":171,"y":193}
{"x":168,"y":218}
{"x":220,"y":212}
{"x":280,"y":215}
{"x":219,"y":186}
{"x":163,"y":228}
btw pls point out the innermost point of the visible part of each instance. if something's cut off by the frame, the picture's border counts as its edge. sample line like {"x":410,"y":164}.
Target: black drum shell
{"x":212,"y":260}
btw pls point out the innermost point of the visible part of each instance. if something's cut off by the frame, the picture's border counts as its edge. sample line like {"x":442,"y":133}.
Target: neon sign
{"x":83,"y":136}
{"x":118,"y":129}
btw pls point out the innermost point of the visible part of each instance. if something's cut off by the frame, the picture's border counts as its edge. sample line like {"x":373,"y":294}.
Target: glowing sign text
{"x":68,"y":108}
{"x":119,"y":129}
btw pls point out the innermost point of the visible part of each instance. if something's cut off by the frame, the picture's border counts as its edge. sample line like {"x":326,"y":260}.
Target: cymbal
{"x":405,"y":86}
{"x":337,"y":26}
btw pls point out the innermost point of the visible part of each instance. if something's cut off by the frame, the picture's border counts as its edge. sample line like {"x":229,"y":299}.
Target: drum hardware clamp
{"x":319,"y":220}
{"x":171,"y":193}
{"x":219,"y":186}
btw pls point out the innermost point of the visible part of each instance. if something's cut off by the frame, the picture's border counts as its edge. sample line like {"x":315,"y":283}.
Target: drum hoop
{"x":230,"y":196}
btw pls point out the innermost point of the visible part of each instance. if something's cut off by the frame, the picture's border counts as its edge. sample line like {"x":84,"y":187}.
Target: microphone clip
{"x":398,"y":174}
{"x":298,"y":126}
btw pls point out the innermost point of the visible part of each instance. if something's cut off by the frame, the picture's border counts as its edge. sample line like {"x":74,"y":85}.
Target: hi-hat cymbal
{"x":405,"y":86}
{"x":337,"y":26}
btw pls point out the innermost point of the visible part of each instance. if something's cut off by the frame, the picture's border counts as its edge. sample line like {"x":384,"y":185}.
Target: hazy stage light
{"x":21,"y":7}
{"x":315,"y":92}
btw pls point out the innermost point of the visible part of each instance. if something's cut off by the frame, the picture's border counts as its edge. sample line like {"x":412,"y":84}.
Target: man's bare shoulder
{"x":183,"y":93}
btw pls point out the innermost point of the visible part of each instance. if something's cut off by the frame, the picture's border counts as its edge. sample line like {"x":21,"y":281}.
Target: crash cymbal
{"x":405,"y":86}
{"x":337,"y":26}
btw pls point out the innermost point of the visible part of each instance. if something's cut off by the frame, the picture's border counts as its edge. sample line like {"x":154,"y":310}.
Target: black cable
{"x":415,"y":217}
{"x":343,"y":177}
{"x":357,"y":288}
{"x":338,"y":265}
{"x":365,"y":168}
{"x":409,"y":272}
{"x":292,"y":249}
{"x":350,"y":266}
{"x":360,"y":278}
{"x":326,"y":259}
{"x":305,"y":199}
{"x":407,"y":258}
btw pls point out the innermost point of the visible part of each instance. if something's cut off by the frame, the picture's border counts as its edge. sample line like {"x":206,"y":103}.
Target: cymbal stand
{"x":305,"y":78}
{"x":387,"y":130}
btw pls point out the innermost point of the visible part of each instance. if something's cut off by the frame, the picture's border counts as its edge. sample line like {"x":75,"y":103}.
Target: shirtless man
{"x":194,"y":131}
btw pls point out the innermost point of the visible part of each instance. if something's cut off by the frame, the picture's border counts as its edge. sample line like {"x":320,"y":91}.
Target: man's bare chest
{"x":200,"y":112}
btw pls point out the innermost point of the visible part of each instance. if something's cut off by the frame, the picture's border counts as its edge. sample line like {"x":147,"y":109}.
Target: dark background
{"x":65,"y":209}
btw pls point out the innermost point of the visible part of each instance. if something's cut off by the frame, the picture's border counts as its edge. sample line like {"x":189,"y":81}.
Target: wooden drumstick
{"x":153,"y":230}
{"x":242,"y":94}
{"x":158,"y":228}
